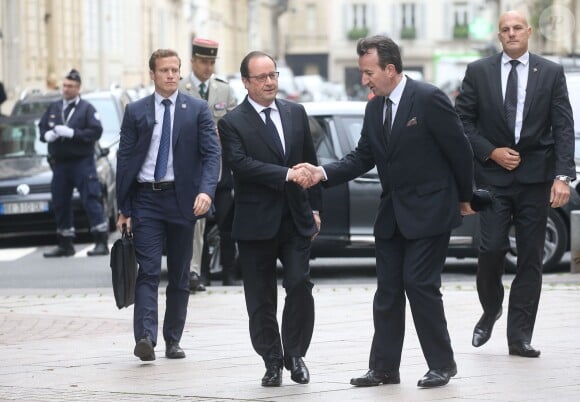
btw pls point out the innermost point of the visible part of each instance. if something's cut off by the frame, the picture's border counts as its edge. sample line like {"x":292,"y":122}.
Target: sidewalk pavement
{"x":74,"y":345}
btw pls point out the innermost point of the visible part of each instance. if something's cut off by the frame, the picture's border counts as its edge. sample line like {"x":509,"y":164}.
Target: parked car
{"x":109,"y":105}
{"x":287,"y":88}
{"x":25,"y":177}
{"x":236,"y":83}
{"x":349,"y":209}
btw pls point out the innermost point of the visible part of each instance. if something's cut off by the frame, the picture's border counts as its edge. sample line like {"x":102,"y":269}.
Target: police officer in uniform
{"x":71,"y":127}
{"x":202,"y":83}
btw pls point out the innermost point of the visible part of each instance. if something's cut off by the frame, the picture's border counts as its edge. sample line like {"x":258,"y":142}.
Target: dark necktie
{"x":67,"y":111}
{"x":271,"y":129}
{"x":510,"y":103}
{"x":202,"y":91}
{"x":388,"y":120}
{"x":164,"y":143}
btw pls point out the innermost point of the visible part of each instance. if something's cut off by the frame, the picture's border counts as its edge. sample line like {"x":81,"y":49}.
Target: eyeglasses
{"x":263,"y":77}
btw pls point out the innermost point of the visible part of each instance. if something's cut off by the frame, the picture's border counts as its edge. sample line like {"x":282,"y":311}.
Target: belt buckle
{"x":154,"y":186}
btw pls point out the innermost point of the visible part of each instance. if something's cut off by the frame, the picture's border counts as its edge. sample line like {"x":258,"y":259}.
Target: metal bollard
{"x":575,"y":241}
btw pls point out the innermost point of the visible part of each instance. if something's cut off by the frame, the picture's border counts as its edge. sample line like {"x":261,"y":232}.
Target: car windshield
{"x":20,"y":139}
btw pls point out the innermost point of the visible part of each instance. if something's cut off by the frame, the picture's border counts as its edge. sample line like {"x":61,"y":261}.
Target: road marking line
{"x":12,"y":254}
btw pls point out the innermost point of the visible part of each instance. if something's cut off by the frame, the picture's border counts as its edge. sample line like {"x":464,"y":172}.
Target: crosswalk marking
{"x":12,"y":254}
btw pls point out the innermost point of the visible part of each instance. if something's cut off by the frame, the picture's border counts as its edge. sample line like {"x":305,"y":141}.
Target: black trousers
{"x":526,"y":206}
{"x":258,"y":262}
{"x":410,"y":267}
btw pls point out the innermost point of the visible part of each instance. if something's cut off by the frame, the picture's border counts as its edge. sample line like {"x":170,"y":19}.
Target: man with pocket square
{"x":414,"y":137}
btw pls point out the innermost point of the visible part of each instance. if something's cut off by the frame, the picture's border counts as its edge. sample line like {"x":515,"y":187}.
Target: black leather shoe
{"x":298,"y":370}
{"x":144,"y":350}
{"x":194,"y":282}
{"x":273,"y":376}
{"x":523,"y":349}
{"x":373,"y":378}
{"x":438,"y":377}
{"x":173,"y":350}
{"x":483,"y":328}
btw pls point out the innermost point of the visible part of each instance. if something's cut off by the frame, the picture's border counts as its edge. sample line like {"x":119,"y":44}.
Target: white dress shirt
{"x":522,"y":69}
{"x":146,"y":174}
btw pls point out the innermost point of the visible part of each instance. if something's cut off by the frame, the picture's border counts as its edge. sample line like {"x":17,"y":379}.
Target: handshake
{"x":306,"y":175}
{"x":58,"y":131}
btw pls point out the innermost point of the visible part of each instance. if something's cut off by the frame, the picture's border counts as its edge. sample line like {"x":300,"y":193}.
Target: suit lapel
{"x":496,"y":89}
{"x":181,"y":108}
{"x":255,"y":120}
{"x":285,"y":116}
{"x":401,"y":117}
{"x":533,"y":78}
{"x":150,"y":114}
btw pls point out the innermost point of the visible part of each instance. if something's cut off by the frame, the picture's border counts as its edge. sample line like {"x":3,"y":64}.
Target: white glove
{"x":50,"y":136}
{"x":64,"y":131}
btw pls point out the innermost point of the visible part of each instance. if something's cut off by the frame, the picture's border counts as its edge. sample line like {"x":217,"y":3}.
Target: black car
{"x":25,"y":175}
{"x":349,"y":209}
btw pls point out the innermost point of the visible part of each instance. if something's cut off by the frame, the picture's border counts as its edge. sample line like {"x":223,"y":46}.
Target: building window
{"x":408,"y":27}
{"x":311,"y":17}
{"x":460,"y":21}
{"x":358,"y":23}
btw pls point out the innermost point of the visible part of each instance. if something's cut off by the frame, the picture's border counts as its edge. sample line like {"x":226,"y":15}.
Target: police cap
{"x":73,"y":75}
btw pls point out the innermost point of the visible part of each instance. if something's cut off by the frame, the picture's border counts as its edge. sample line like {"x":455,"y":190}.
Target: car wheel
{"x":554,"y":245}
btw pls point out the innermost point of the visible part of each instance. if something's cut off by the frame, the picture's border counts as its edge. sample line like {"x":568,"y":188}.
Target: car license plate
{"x":30,"y":207}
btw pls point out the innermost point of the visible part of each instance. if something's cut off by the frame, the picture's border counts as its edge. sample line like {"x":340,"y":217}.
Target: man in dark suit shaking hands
{"x":167,"y":172}
{"x":413,"y":135}
{"x":274,"y":217}
{"x":515,"y":109}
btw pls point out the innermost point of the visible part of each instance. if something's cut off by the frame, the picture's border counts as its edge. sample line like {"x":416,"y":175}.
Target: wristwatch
{"x":564,"y":178}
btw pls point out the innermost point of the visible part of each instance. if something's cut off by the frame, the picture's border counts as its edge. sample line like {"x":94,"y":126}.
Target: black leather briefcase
{"x":124,"y":270}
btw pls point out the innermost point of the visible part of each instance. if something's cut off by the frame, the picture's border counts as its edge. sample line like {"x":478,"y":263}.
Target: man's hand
{"x":465,"y":209}
{"x":201,"y":204}
{"x":300,"y":176}
{"x":124,"y":220}
{"x":315,"y":174}
{"x":560,"y":194}
{"x":64,"y":131}
{"x":507,"y":158}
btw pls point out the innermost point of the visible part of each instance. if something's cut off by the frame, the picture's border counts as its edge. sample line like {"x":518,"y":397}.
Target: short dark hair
{"x":387,"y":50}
{"x":244,"y":69}
{"x":161,"y":54}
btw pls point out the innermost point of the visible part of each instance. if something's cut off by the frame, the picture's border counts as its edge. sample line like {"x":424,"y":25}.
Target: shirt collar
{"x":197,"y":81}
{"x":397,"y":92}
{"x":259,"y":107}
{"x":65,"y":102}
{"x":172,"y":98}
{"x":524,"y":58}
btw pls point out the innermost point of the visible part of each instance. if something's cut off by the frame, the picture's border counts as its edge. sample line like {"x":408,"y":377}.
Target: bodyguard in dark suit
{"x":167,"y":171}
{"x":517,"y":116}
{"x":274,"y":218}
{"x":414,"y":137}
